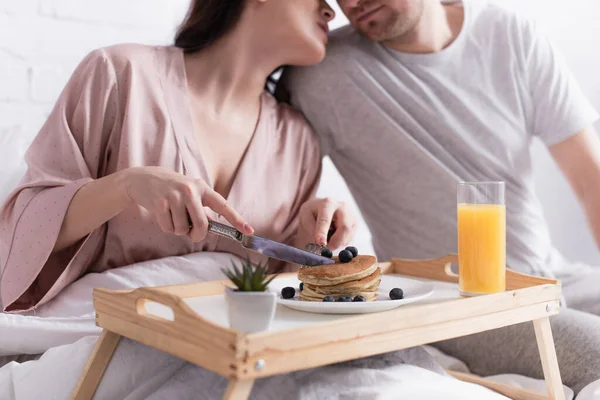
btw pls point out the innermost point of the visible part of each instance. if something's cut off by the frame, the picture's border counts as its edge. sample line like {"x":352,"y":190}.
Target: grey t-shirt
{"x":403,"y":129}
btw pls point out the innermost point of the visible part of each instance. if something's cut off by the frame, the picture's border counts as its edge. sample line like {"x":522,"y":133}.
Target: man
{"x":417,"y":95}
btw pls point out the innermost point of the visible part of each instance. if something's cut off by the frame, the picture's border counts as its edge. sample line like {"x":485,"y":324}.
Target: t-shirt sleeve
{"x":64,"y":156}
{"x":309,"y":91}
{"x":560,"y":109}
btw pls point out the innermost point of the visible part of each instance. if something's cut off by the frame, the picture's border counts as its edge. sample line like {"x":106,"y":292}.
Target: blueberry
{"x":352,"y":250}
{"x":301,"y":286}
{"x":396,"y":294}
{"x":326,"y":253}
{"x":345,"y":256}
{"x":288,"y":292}
{"x":328,"y":298}
{"x":344,"y":299}
{"x":359,"y":299}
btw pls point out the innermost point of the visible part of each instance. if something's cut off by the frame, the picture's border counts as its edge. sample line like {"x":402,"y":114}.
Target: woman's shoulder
{"x":291,"y":127}
{"x":130,"y":55}
{"x":287,"y":118}
{"x":129,"y":59}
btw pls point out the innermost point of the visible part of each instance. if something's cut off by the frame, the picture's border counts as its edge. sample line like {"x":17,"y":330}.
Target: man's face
{"x":382,"y":20}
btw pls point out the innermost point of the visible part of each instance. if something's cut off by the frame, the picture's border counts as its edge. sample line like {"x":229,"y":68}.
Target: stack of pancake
{"x":359,"y":277}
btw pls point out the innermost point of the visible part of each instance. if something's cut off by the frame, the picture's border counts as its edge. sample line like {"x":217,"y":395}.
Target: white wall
{"x":41,"y":41}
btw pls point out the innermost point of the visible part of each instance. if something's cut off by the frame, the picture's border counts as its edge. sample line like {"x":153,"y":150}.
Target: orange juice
{"x":482,"y":248}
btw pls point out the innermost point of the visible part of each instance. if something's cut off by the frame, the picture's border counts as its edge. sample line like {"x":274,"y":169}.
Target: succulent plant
{"x":249,"y":277}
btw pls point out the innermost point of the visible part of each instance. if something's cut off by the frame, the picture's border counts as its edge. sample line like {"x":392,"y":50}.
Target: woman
{"x":143,"y":136}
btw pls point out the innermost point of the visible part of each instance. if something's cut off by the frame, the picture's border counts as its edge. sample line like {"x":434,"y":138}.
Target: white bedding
{"x":64,"y":331}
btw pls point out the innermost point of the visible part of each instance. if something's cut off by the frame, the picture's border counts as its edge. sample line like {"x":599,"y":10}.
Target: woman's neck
{"x":230,"y":73}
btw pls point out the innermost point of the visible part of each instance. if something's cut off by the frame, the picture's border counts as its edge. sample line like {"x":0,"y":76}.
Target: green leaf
{"x":249,"y":277}
{"x":236,"y":271}
{"x":228,"y":274}
{"x":257,"y":280}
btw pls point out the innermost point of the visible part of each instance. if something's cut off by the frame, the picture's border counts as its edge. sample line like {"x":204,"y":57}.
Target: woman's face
{"x":299,"y":26}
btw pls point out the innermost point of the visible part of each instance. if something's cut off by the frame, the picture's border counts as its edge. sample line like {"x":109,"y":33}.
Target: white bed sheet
{"x":64,"y":331}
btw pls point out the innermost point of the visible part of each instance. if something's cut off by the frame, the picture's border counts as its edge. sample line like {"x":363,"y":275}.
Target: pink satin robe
{"x":128,"y":106}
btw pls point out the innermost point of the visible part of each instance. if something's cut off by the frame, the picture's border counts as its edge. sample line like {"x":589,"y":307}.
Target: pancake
{"x":333,"y":290}
{"x":365,"y":293}
{"x":367,"y":296}
{"x":371,"y":281}
{"x":359,"y":277}
{"x":338,"y":273}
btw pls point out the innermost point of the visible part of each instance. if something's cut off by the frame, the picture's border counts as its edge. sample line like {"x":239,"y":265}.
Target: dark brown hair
{"x":206,"y":22}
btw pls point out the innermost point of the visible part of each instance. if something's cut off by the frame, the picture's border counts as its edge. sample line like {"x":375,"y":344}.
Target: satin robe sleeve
{"x":67,"y":153}
{"x":310,"y":175}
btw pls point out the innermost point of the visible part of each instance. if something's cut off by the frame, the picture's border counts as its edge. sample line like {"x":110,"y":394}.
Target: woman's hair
{"x":206,"y":22}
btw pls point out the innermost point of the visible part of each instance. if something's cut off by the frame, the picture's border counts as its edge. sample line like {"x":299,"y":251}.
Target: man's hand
{"x":318,"y":215}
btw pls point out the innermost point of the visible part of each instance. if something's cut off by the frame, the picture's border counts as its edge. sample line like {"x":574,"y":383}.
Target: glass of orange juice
{"x":481,"y":216}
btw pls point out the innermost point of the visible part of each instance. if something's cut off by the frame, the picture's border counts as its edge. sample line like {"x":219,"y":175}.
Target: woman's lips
{"x":324,"y":27}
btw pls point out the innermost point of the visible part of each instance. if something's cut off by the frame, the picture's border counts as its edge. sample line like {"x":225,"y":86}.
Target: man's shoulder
{"x":344,"y":44}
{"x":343,"y":36}
{"x":494,"y":10}
{"x":499,"y":17}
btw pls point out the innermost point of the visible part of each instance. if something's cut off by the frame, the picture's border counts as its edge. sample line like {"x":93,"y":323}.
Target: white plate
{"x":413,"y":291}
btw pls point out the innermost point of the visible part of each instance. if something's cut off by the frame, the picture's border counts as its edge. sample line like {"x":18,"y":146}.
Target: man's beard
{"x":394,"y":25}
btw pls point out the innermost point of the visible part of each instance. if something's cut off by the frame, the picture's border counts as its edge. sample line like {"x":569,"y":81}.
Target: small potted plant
{"x":251,"y":306}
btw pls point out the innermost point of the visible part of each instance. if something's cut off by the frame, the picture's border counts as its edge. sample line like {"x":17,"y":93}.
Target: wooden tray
{"x":245,"y":357}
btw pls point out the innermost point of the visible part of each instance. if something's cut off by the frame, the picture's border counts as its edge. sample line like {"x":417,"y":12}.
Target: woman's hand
{"x":171,"y":196}
{"x":317,"y":216}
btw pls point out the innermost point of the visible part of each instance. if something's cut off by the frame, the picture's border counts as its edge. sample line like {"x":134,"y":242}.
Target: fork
{"x":317,"y":248}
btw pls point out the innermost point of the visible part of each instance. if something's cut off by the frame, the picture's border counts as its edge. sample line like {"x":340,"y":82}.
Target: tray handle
{"x":165,"y":299}
{"x":134,"y":301}
{"x":439,"y":268}
{"x":517,"y":280}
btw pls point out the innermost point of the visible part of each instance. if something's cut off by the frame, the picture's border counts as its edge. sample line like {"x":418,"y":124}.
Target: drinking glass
{"x":481,"y":213}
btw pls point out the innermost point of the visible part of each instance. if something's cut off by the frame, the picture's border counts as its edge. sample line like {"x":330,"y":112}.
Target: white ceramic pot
{"x":250,"y":311}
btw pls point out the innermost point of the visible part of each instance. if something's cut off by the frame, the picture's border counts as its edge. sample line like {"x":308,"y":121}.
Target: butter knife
{"x":269,"y":247}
